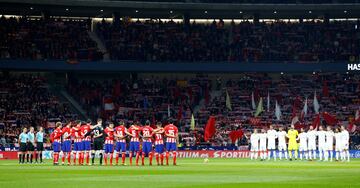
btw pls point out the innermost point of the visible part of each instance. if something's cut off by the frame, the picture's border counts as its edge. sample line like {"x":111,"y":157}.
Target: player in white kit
{"x":311,"y":135}
{"x":329,"y":144}
{"x":345,"y":144}
{"x":321,"y":142}
{"x":338,"y":144}
{"x":282,"y":143}
{"x":303,"y":144}
{"x":254,"y":141}
{"x":271,"y":136}
{"x":262,"y":148}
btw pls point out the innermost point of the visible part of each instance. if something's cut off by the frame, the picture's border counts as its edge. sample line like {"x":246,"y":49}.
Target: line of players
{"x":81,"y":135}
{"x":265,"y":144}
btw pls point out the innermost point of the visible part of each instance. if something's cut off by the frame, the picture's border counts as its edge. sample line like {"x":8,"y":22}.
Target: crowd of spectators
{"x":26,"y":101}
{"x":337,"y":95}
{"x":164,"y":41}
{"x":44,"y":39}
{"x":160,"y":41}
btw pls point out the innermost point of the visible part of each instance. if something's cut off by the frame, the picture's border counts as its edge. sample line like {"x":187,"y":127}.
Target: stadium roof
{"x":105,"y":8}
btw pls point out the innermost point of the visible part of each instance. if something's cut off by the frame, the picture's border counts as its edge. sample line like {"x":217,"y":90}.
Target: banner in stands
{"x":180,"y":154}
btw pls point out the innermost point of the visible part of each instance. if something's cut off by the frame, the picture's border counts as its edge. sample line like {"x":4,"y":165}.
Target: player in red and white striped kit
{"x":56,"y":137}
{"x":159,"y":143}
{"x":66,"y":143}
{"x":134,"y":132}
{"x":120,"y":146}
{"x":147,"y":133}
{"x":77,"y":141}
{"x":171,"y":133}
{"x":109,"y":143}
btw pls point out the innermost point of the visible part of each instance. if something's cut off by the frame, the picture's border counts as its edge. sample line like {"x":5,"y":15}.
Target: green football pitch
{"x":189,"y":173}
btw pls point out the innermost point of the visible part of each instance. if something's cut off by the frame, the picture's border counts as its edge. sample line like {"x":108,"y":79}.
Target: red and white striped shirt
{"x":76,"y":134}
{"x":66,"y":134}
{"x":147,"y":133}
{"x":120,"y":131}
{"x":84,"y":130}
{"x":109,"y":139}
{"x":159,"y":140}
{"x":134,"y":133}
{"x":171,"y":130}
{"x":57,"y":135}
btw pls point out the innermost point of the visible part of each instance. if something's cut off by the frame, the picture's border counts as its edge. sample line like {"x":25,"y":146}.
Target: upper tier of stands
{"x":157,"y":41}
{"x":244,"y":42}
{"x":52,"y":39}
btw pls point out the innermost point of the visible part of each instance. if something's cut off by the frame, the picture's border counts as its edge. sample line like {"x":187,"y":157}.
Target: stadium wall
{"x":130,"y":66}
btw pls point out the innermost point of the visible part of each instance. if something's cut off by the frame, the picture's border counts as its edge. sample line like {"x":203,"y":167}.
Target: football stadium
{"x":179,"y":93}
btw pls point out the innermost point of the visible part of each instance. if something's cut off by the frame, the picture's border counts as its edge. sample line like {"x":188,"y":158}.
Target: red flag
{"x":330,"y":119}
{"x":316,"y":121}
{"x":234,"y":135}
{"x":209,"y":129}
{"x":325,"y":89}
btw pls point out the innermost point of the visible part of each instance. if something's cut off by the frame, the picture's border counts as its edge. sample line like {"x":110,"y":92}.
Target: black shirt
{"x":97,"y":131}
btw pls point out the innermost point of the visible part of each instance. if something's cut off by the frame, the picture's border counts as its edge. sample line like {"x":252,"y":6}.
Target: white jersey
{"x":281,"y":138}
{"x":311,"y":135}
{"x":329,"y":140}
{"x":321,"y":140}
{"x":263,"y":137}
{"x":338,"y":141}
{"x":271,"y":136}
{"x":345,"y":137}
{"x":254,"y":140}
{"x":303,"y":141}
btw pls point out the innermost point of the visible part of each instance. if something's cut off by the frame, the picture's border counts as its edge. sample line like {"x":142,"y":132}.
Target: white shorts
{"x":329,"y":146}
{"x":262,"y":148}
{"x":282,"y":146}
{"x":312,"y":146}
{"x":345,"y":146}
{"x":303,"y":147}
{"x":254,"y":147}
{"x":322,"y":147}
{"x":271,"y":145}
{"x":338,"y":147}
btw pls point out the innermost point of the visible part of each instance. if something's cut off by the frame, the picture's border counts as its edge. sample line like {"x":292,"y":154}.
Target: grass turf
{"x":189,"y":173}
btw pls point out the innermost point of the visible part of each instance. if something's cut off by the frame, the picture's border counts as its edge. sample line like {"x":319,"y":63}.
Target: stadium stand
{"x":159,"y":41}
{"x":243,"y":42}
{"x":27,"y":101}
{"x":50,"y":39}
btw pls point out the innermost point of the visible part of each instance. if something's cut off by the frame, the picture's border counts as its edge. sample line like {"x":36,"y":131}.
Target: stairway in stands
{"x":57,"y":87}
{"x":100,"y":45}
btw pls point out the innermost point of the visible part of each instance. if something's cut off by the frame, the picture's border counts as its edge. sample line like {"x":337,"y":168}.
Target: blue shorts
{"x":86,"y":146}
{"x":66,"y":146}
{"x":120,"y":146}
{"x":134,"y":147}
{"x":78,"y":146}
{"x":159,"y":148}
{"x":170,"y":146}
{"x":146,"y":147}
{"x":109,"y":148}
{"x":56,"y":146}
